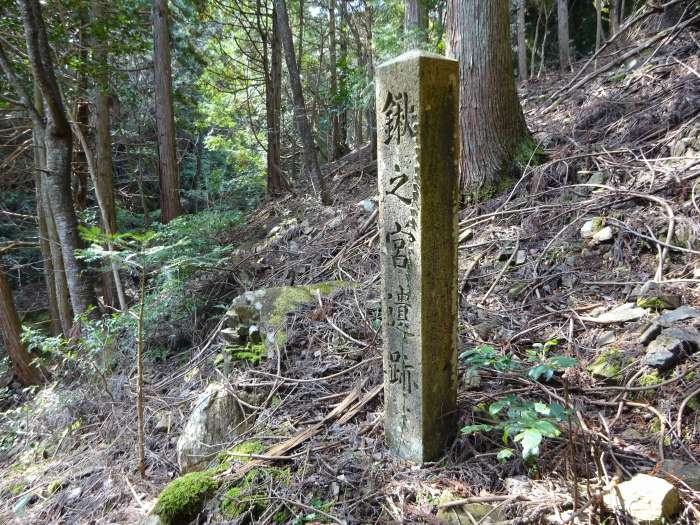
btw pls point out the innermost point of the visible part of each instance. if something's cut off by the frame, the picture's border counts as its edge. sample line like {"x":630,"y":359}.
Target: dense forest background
{"x":160,"y":160}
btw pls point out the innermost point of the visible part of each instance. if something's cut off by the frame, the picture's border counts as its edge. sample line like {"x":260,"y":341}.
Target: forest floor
{"x":618,"y":157}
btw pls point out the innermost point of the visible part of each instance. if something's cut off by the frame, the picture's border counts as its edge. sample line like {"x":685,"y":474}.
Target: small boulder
{"x":604,"y":235}
{"x":648,"y":500}
{"x":468,"y":513}
{"x":670,"y":346}
{"x":591,"y":227}
{"x":215,"y":421}
{"x":657,"y":296}
{"x":683,"y":313}
{"x":622,"y":314}
{"x":688,"y":473}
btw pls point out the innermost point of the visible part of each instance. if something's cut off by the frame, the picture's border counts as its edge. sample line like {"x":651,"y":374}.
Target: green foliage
{"x":251,"y":493}
{"x":524,"y":422}
{"x":183,"y":498}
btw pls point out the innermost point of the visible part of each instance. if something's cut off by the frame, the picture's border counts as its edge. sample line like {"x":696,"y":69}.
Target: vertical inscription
{"x":417,"y":187}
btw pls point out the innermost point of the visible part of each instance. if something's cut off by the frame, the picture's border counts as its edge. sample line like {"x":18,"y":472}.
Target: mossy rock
{"x":608,"y":364}
{"x":250,"y":494}
{"x":183,"y":498}
{"x":265,"y":311}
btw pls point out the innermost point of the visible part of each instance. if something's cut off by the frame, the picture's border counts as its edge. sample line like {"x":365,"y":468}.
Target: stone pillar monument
{"x":417,"y":155}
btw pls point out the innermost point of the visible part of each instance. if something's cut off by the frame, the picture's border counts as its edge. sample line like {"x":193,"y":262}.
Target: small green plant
{"x":183,"y":498}
{"x":525,"y":422}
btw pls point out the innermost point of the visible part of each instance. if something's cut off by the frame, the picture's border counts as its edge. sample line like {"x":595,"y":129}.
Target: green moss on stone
{"x":653,"y":303}
{"x":182,"y":499}
{"x":250,"y":493}
{"x":608,"y":364}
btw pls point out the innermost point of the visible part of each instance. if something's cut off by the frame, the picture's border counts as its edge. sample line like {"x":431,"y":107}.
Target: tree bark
{"x":415,"y":23}
{"x":342,"y":79}
{"x":11,"y":334}
{"x":309,"y":147}
{"x":491,"y":118}
{"x":103,"y":169}
{"x":59,"y":145}
{"x":336,"y":150}
{"x":563,"y":34}
{"x":522,"y":48}
{"x":598,"y":26}
{"x":533,"y":53}
{"x":273,"y":109}
{"x":170,"y":206}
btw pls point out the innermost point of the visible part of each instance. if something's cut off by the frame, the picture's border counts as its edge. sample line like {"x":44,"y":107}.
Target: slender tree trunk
{"x":491,"y":119}
{"x":522,"y":48}
{"x":198,"y":159}
{"x":336,"y":150}
{"x":300,"y":39}
{"x":39,"y":149}
{"x":343,"y":77}
{"x":80,"y":172}
{"x":11,"y":335}
{"x":273,"y":108}
{"x":170,"y":206}
{"x":545,"y":32}
{"x":563,"y":34}
{"x":309,"y":147}
{"x":415,"y":23}
{"x":614,"y":14}
{"x":598,"y":28}
{"x":59,"y":146}
{"x":533,"y":53}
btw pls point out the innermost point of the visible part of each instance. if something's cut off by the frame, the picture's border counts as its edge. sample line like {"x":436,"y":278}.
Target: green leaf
{"x":473,"y":429}
{"x":544,"y":370}
{"x":504,"y":454}
{"x":561,"y":362}
{"x":546,"y":428}
{"x":542,"y":408}
{"x":530,"y":440}
{"x":496,"y":407}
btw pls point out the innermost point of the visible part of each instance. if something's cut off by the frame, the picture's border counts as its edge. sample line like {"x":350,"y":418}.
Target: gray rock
{"x":163,"y":423}
{"x":216,"y":420}
{"x":650,"y":332}
{"x":688,"y":473}
{"x":520,"y":257}
{"x":153,"y":519}
{"x":604,"y":235}
{"x":597,"y":177}
{"x":469,"y":513}
{"x":670,"y":346}
{"x":622,"y":314}
{"x":607,"y":337}
{"x":658,"y":296}
{"x":648,"y":500}
{"x":261,"y":315}
{"x":517,"y":486}
{"x":591,"y":227}
{"x":683,"y":313}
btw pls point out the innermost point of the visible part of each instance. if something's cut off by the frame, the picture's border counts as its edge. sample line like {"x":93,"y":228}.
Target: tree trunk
{"x":614,"y":14}
{"x":170,"y":206}
{"x":309,"y":147}
{"x":545,"y":32}
{"x":39,"y":149}
{"x":80,"y":172}
{"x":415,"y":23}
{"x":533,"y":54}
{"x":103,"y":155}
{"x":273,"y":108}
{"x":11,"y":335}
{"x":522,"y":48}
{"x":59,"y":146}
{"x":563,"y":34}
{"x":343,"y":77}
{"x":336,"y":150}
{"x":491,"y":119}
{"x":598,"y":26}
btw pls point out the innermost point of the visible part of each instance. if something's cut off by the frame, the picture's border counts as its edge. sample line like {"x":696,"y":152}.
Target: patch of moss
{"x":252,"y":446}
{"x":250,"y":493}
{"x":529,"y":153}
{"x":252,"y":352}
{"x":182,"y":499}
{"x":654,"y":303}
{"x":650,"y":379}
{"x":608,"y":364}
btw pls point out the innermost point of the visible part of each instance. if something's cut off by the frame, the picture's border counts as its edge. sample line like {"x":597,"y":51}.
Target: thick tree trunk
{"x":273,"y":108}
{"x":563,"y":34}
{"x":11,"y":335}
{"x":59,"y":146}
{"x":309,"y":147}
{"x":522,"y":48}
{"x":170,"y":206}
{"x":491,"y":119}
{"x":415,"y":23}
{"x":614,"y":14}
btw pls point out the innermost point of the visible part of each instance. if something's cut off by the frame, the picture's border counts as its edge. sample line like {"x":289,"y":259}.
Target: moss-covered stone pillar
{"x":418,"y":151}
